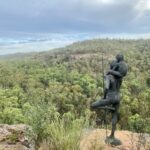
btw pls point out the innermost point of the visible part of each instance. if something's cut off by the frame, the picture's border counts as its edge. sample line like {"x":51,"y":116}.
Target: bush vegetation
{"x":52,"y":91}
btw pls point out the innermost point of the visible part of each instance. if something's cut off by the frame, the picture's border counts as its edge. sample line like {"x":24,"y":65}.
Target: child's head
{"x":112,"y":64}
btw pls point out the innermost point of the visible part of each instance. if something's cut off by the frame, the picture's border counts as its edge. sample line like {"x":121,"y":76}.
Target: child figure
{"x":109,"y":78}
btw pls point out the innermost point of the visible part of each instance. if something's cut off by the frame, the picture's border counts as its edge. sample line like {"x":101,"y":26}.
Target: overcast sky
{"x":71,"y":16}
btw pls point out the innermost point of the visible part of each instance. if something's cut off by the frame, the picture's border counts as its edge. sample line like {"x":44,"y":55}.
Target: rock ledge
{"x":95,"y":140}
{"x":16,"y":137}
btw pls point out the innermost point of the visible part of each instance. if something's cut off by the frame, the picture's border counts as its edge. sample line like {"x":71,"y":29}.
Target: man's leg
{"x":114,"y":120}
{"x":100,"y":103}
{"x":111,"y":139}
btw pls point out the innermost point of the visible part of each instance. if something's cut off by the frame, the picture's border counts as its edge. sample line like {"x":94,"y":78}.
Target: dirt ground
{"x":95,"y":140}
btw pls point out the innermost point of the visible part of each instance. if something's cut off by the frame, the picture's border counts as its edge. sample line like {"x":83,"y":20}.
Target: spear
{"x":103,"y":71}
{"x":104,"y":93}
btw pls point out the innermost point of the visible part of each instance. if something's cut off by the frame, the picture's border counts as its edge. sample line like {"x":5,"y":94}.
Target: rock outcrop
{"x":16,"y":137}
{"x":95,"y":140}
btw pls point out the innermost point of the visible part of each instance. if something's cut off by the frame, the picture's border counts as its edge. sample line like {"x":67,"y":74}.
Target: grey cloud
{"x":72,"y":16}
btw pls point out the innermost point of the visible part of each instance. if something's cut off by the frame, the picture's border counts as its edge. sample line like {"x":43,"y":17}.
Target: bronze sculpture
{"x":113,"y":81}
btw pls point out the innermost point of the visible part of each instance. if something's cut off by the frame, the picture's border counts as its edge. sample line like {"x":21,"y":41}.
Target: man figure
{"x":113,"y":81}
{"x":119,"y":70}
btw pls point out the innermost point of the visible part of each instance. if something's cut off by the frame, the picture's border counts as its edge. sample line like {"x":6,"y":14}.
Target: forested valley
{"x":52,"y":91}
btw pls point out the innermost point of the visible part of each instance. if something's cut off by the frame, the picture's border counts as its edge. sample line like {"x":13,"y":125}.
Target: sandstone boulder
{"x":16,"y":137}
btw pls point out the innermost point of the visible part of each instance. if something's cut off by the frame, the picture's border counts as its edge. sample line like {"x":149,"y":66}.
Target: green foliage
{"x":136,"y":122}
{"x":52,"y":91}
{"x":65,"y":133}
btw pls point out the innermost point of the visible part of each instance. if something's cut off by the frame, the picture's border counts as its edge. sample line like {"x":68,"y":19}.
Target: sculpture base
{"x":113,"y":141}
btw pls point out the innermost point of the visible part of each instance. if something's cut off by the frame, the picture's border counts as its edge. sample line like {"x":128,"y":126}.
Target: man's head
{"x":119,"y":57}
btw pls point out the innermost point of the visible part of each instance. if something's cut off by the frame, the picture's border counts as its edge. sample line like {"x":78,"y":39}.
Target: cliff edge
{"x":95,"y":140}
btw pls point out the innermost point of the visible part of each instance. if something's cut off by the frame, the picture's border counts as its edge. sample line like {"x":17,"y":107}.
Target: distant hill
{"x":89,"y":46}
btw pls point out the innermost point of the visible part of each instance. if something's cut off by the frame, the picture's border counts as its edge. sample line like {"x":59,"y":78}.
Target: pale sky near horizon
{"x":75,"y":16}
{"x":37,"y":25}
